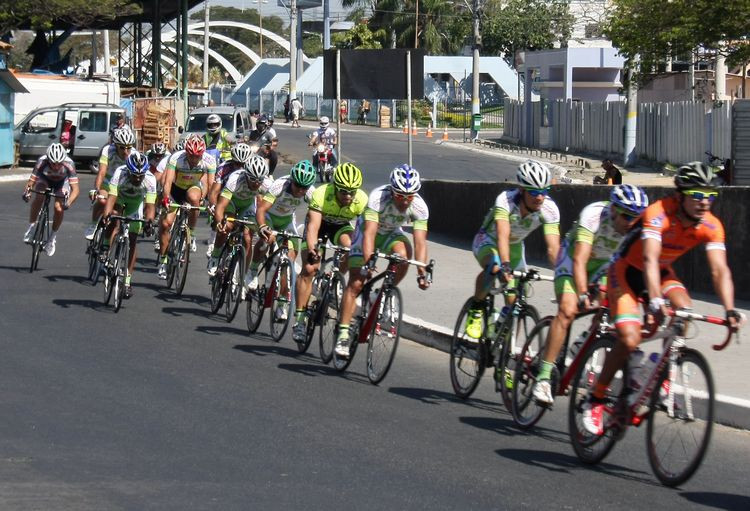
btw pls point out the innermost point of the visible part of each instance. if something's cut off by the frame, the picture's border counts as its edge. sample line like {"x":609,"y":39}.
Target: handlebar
{"x":240,"y":221}
{"x":714,"y":320}
{"x":188,"y":207}
{"x":397,"y":259}
{"x":532,"y":274}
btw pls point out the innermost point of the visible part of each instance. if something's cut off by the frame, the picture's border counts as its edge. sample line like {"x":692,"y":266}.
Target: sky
{"x":271,"y":8}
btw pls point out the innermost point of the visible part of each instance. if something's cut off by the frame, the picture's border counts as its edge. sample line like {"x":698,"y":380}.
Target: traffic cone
{"x":405,"y":129}
{"x":428,"y":133}
{"x":445,"y":133}
{"x":414,"y":128}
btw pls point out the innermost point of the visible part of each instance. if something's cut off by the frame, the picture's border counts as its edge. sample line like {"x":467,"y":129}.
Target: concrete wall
{"x":457,"y":209}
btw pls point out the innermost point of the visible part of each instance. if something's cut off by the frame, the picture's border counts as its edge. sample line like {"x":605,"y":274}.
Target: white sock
{"x":31,"y":225}
{"x":53,"y":235}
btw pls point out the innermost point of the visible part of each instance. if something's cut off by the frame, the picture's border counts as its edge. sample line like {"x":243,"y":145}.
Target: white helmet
{"x":324,"y":122}
{"x":56,"y":153}
{"x":241,"y":152}
{"x":405,"y":179}
{"x":123,"y":136}
{"x":533,"y":174}
{"x":213,"y":124}
{"x":256,"y":168}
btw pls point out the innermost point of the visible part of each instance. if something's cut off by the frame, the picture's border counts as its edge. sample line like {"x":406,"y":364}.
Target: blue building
{"x":9,"y":85}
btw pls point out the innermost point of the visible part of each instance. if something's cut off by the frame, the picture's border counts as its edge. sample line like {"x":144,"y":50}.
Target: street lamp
{"x":260,"y":17}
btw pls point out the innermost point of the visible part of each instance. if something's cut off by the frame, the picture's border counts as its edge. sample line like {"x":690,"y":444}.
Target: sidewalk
{"x":429,"y":318}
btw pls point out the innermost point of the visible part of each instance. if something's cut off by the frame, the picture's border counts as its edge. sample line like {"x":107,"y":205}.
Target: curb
{"x":13,"y":177}
{"x":728,"y":411}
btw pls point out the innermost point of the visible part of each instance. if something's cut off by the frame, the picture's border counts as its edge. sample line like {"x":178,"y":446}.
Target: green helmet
{"x":303,"y":174}
{"x":347,"y":175}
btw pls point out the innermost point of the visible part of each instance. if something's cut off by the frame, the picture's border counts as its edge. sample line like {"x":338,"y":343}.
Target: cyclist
{"x":498,"y":246}
{"x":265,"y":137}
{"x":333,"y":207}
{"x":112,"y":157}
{"x":583,"y":258}
{"x":240,"y":153}
{"x":239,"y":199}
{"x":324,"y":135}
{"x":277,"y":211}
{"x":57,"y":171}
{"x":668,"y":228}
{"x":217,"y":139}
{"x":158,"y":157}
{"x":189,"y":175}
{"x":379,"y":228}
{"x":132,"y":192}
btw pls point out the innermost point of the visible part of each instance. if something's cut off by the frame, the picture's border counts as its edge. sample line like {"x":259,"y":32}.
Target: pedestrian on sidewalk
{"x":612,"y":175}
{"x":296,"y":107}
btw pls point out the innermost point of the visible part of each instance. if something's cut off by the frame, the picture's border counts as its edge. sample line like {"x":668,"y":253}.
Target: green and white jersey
{"x":237,"y":189}
{"x":125,"y":191}
{"x":112,"y":160}
{"x":381,"y":208}
{"x":508,"y":207}
{"x":284,"y":203}
{"x":595,"y":226}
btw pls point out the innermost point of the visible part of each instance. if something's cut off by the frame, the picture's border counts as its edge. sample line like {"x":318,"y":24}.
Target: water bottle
{"x":576,"y":346}
{"x":497,"y":316}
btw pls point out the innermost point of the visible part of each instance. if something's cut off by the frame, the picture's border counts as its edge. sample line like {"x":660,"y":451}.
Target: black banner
{"x":373,"y":74}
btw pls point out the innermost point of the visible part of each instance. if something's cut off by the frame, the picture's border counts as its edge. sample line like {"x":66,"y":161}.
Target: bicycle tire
{"x":234,"y":283}
{"x":342,"y":363}
{"x":526,"y":412}
{"x":121,"y":270}
{"x":526,"y":321}
{"x":97,"y":248}
{"x":218,"y":282}
{"x":171,"y":257}
{"x":591,"y":449}
{"x":37,"y":242}
{"x":686,"y":393}
{"x":183,"y":262}
{"x":467,"y":358}
{"x":286,"y":300}
{"x":255,"y":299}
{"x":108,"y":276}
{"x":330,"y":304}
{"x":385,"y":334}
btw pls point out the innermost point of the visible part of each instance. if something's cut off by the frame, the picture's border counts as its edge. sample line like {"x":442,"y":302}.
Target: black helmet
{"x":695,"y":175}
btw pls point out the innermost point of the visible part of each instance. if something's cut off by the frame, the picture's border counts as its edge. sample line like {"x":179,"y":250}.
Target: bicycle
{"x":226,"y":283}
{"x":678,"y":394}
{"x":325,"y":299}
{"x":276,"y":277}
{"x":497,"y":346}
{"x":526,"y":411}
{"x":41,"y":229}
{"x":379,"y":319}
{"x":178,"y":250}
{"x":116,"y":265}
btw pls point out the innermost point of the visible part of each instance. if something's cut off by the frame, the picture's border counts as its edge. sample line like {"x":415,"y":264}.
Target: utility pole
{"x":107,"y":64}
{"x":475,"y":68}
{"x":416,"y":25}
{"x":691,"y":75}
{"x":720,"y":75}
{"x":631,"y":120}
{"x":206,"y":16}
{"x":326,"y":24}
{"x":292,"y":50}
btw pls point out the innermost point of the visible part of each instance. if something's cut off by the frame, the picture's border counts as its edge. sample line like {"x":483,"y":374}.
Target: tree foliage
{"x":509,"y":26}
{"x":358,"y":37}
{"x":42,"y":14}
{"x":654,"y":29}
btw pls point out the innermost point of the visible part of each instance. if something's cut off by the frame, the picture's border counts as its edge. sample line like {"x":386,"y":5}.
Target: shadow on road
{"x":80,"y":279}
{"x":221,"y":330}
{"x":728,"y":501}
{"x":89,"y":304}
{"x":17,"y":269}
{"x":508,"y":427}
{"x":322,"y":370}
{"x":183,"y":311}
{"x":565,"y":463}
{"x":169,"y":296}
{"x":435,"y":397}
{"x":263,"y":350}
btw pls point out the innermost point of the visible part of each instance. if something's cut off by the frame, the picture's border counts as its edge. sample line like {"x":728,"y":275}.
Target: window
{"x":594,"y":31}
{"x":43,"y":122}
{"x":93,"y":121}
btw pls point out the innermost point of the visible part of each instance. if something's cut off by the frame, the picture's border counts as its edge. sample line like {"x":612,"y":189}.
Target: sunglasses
{"x":120,"y":146}
{"x":403,"y":196}
{"x":626,"y":214}
{"x":346,"y":191}
{"x":699,"y":195}
{"x":536,"y":192}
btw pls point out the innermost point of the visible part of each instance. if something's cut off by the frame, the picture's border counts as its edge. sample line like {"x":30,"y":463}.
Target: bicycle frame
{"x":280,"y":253}
{"x":599,"y":325}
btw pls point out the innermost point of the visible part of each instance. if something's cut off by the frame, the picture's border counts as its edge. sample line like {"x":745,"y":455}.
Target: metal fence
{"x":666,"y":132}
{"x":440,"y":113}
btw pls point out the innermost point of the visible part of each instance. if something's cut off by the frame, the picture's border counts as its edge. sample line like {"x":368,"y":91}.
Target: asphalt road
{"x":163,"y":406}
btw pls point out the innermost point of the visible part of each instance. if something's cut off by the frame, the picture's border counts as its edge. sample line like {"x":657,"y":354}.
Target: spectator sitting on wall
{"x":612,"y":175}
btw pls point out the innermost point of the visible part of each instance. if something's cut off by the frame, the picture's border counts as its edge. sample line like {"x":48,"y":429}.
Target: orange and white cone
{"x":405,"y":128}
{"x":414,"y":128}
{"x":445,"y":133}
{"x":428,"y":133}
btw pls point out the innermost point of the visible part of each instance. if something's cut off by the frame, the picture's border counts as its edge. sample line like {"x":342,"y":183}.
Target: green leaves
{"x":41,"y":14}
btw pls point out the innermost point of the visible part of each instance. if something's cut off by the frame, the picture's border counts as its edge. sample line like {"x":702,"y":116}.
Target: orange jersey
{"x":660,"y":222}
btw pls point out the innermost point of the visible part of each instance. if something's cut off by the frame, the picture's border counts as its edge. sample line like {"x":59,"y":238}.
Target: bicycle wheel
{"x":342,"y":363}
{"x":526,"y":412}
{"x":677,"y":441}
{"x":108,"y":274}
{"x":466,"y":357}
{"x":281,"y":303}
{"x":218,"y":282}
{"x":235,"y":281}
{"x":119,"y":273}
{"x":525,"y":322}
{"x":174,"y":239}
{"x":329,"y":305}
{"x":182,"y":261}
{"x":591,"y":449}
{"x":255,"y":300}
{"x":94,"y":249}
{"x":383,"y":340}
{"x":37,"y":242}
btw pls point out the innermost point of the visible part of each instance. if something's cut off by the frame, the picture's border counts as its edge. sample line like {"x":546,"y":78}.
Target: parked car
{"x":234,"y":119}
{"x":82,"y":127}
